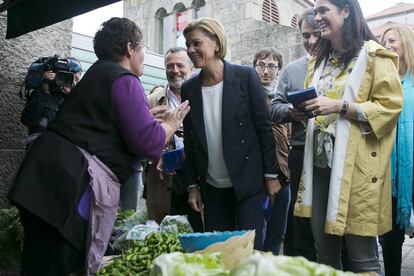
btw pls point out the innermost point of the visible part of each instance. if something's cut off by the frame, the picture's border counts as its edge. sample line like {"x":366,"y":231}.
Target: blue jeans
{"x":130,"y":191}
{"x":276,"y":226}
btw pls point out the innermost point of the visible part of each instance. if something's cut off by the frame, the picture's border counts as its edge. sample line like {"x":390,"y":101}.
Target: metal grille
{"x":270,"y":12}
{"x":294,"y":22}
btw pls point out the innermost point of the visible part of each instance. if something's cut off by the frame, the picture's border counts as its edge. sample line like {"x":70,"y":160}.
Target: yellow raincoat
{"x":360,"y":185}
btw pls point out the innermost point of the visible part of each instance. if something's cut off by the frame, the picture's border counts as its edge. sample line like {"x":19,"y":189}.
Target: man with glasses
{"x":166,"y":194}
{"x":267,"y":63}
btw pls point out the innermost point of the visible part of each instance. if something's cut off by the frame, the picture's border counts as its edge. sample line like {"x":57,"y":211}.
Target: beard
{"x":176,"y":83}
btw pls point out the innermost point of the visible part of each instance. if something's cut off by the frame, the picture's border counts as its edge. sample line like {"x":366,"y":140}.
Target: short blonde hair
{"x":213,"y":29}
{"x":406,"y":35}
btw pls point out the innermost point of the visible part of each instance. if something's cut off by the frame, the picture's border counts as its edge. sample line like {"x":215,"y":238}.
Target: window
{"x":160,"y":21}
{"x":199,"y":8}
{"x":270,"y":12}
{"x":181,"y":21}
{"x":294,"y":22}
{"x":179,"y":7}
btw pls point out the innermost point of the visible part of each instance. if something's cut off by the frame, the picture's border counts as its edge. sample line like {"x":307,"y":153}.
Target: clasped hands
{"x":322,"y":105}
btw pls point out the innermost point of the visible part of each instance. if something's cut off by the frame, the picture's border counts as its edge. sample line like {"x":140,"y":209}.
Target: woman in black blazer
{"x":229,"y":145}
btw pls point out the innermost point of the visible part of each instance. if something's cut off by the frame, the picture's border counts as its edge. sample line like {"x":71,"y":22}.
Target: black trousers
{"x":45,"y":251}
{"x":391,"y":243}
{"x":222,"y":212}
{"x":180,"y":206}
{"x":179,"y":202}
{"x":298,"y":239}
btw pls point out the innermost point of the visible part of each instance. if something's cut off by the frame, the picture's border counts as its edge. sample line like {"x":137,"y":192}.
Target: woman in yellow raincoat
{"x":345,"y":186}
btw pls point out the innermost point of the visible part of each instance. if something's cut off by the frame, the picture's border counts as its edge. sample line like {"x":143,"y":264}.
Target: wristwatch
{"x":271,"y":176}
{"x":345,"y":106}
{"x":189,"y":187}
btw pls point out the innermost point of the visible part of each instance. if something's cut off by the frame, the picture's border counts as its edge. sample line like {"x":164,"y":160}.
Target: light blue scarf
{"x":403,"y":154}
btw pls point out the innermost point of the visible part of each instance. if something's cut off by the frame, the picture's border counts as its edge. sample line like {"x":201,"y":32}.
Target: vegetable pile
{"x":178,"y":224}
{"x":189,"y":265}
{"x":11,"y":238}
{"x":268,"y":264}
{"x":138,"y":259}
{"x":121,"y":217}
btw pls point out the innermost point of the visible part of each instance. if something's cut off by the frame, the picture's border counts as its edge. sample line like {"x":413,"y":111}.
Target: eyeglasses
{"x":262,"y":66}
{"x":141,"y":46}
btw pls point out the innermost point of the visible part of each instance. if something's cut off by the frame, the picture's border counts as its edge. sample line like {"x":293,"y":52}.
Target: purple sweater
{"x":142,"y":134}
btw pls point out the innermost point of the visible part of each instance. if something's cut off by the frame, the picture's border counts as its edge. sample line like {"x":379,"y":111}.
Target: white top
{"x":217,"y":174}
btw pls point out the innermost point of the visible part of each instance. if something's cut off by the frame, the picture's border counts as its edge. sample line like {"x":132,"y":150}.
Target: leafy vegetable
{"x":188,"y":264}
{"x":269,"y":265}
{"x":138,"y":259}
{"x":122,"y":216}
{"x":11,"y":238}
{"x":138,"y":232}
{"x":178,"y":224}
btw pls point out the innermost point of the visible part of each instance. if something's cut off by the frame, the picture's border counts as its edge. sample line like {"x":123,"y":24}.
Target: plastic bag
{"x":139,"y":232}
{"x":139,"y":217}
{"x":177,"y":224}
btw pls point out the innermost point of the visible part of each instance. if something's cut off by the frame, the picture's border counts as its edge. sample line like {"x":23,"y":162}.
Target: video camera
{"x":64,"y":68}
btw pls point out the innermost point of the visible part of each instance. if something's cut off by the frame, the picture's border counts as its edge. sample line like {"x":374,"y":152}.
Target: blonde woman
{"x":400,"y":40}
{"x":228,"y":138}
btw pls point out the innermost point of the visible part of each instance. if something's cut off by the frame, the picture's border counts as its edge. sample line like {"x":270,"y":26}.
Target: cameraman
{"x":44,"y":100}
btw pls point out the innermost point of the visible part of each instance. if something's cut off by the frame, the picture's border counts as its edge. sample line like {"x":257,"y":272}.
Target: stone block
{"x":9,"y":160}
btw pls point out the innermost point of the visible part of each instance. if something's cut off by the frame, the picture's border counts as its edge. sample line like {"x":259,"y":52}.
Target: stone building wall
{"x":403,"y":18}
{"x":144,"y":13}
{"x":15,"y":57}
{"x":257,"y":35}
{"x":245,"y":29}
{"x":248,"y":35}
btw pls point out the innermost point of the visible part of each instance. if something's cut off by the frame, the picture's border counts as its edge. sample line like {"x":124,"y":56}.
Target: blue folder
{"x":296,"y":98}
{"x":267,"y":208}
{"x":172,"y":160}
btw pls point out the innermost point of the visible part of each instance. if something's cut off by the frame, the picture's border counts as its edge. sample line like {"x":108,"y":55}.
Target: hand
{"x":272,"y":188}
{"x":49,"y":75}
{"x":160,"y":170}
{"x":175,"y":118}
{"x":194,"y":199}
{"x":66,"y":89}
{"x":159,"y":112}
{"x":323,"y":105}
{"x":296,"y":115}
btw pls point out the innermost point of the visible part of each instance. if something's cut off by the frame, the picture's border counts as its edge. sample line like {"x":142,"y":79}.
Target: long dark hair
{"x":354,"y":32}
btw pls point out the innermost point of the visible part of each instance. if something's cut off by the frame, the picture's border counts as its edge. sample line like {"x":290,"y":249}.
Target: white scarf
{"x":341,"y":140}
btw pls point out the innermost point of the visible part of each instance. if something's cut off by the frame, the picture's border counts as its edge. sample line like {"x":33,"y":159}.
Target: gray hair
{"x":309,"y":17}
{"x":174,"y":50}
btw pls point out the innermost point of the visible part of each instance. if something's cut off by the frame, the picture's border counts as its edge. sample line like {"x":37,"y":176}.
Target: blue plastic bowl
{"x":198,"y":241}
